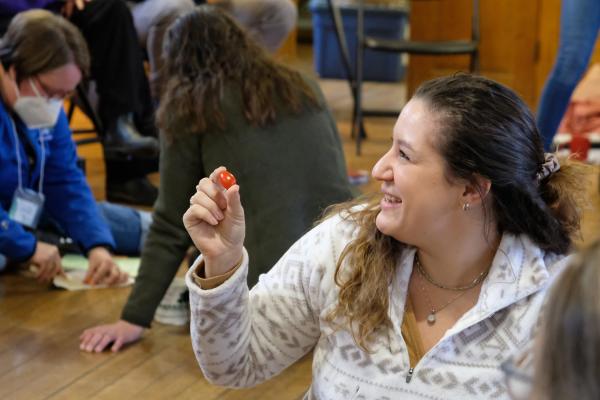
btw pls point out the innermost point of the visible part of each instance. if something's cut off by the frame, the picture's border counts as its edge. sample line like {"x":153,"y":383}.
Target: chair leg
{"x":360,"y":131}
{"x":89,"y":110}
{"x":353,"y":127}
{"x":340,"y":35}
{"x":71,"y":110}
{"x":358,"y":128}
{"x":474,"y":65}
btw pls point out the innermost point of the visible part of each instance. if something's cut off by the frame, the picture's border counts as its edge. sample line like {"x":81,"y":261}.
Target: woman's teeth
{"x":391,"y":199}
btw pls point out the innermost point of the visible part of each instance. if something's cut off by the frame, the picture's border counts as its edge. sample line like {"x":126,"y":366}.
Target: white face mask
{"x":37,"y":111}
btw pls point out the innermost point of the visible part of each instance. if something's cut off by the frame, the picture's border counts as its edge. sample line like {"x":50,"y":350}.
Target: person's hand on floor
{"x":102,"y":269}
{"x":98,"y":338}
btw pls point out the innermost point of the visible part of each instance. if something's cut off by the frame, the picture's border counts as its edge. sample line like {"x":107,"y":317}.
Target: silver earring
{"x":466,"y":207}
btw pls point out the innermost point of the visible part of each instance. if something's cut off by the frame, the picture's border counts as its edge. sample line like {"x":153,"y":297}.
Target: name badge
{"x":26,"y":207}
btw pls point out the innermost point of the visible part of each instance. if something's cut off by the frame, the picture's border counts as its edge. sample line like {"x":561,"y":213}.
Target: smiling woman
{"x":408,"y":293}
{"x":419,"y":202}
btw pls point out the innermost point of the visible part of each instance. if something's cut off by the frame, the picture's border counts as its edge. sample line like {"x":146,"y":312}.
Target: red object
{"x":227,"y":179}
{"x":580,"y":146}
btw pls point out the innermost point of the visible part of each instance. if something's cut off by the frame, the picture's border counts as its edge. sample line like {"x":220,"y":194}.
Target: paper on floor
{"x":73,"y":280}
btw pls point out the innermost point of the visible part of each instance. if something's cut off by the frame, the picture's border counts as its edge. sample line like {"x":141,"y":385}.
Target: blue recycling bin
{"x":379,"y":22}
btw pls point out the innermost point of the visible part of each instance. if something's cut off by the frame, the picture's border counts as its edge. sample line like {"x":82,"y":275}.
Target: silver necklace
{"x":431,"y":318}
{"x":471,"y":285}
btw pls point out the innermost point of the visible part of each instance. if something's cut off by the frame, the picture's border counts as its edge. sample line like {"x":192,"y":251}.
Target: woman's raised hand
{"x":215,"y":222}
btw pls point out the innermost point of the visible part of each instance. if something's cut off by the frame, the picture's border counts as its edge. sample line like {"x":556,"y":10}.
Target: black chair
{"x":82,"y":100}
{"x":364,"y":42}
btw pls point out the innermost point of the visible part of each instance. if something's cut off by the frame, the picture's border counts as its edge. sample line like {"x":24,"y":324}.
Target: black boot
{"x":137,"y":191}
{"x":123,"y":139}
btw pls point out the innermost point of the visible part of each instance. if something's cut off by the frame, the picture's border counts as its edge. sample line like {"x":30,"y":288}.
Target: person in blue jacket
{"x":43,"y":59}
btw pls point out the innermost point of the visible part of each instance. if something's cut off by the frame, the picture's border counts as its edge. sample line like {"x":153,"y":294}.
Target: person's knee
{"x":153,"y":12}
{"x":152,"y":17}
{"x":278,"y":19}
{"x":127,"y":225}
{"x":285,"y":12}
{"x":181,"y":6}
{"x":171,"y":9}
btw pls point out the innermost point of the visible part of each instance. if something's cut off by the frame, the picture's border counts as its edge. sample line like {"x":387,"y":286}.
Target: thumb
{"x":234,"y":202}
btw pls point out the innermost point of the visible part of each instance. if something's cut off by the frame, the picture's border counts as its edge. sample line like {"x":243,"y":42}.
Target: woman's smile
{"x":388,"y":201}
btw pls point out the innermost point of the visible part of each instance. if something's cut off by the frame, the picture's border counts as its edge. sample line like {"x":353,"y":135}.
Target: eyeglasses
{"x":518,"y":375}
{"x":53,"y":93}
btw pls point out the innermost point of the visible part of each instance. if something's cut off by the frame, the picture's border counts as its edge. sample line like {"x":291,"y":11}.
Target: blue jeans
{"x":128,"y":226}
{"x":579,"y":24}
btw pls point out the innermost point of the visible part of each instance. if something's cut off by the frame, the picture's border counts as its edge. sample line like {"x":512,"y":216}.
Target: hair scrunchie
{"x":549,"y":167}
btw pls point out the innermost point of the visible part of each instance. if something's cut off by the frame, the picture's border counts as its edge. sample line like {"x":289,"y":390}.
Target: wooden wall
{"x":519,"y":40}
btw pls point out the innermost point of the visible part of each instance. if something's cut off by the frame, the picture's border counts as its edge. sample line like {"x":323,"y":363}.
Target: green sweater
{"x":288,"y":173}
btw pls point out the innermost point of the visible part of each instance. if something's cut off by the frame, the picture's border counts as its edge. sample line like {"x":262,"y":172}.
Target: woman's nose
{"x":381,"y":170}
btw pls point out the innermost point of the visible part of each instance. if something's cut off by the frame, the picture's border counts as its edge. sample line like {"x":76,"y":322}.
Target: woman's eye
{"x":403,"y":155}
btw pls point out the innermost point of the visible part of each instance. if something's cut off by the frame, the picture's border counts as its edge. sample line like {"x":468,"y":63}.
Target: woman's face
{"x":419,"y":204}
{"x":57,"y":83}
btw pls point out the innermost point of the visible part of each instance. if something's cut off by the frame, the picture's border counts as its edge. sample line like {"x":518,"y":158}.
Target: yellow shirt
{"x":411,"y":334}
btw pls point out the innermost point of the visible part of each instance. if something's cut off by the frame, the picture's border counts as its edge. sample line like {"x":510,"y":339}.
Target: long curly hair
{"x":488,"y":131}
{"x":206,"y":52}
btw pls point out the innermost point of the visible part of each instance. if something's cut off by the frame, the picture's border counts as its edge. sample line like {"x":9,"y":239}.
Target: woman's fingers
{"x":106,"y":273}
{"x":197,"y":213}
{"x":113,"y":277}
{"x":92,"y":341}
{"x":202,"y":199}
{"x":104,"y":341}
{"x":49,"y":269}
{"x":213,"y":191}
{"x":97,"y":275}
{"x":123,"y":276}
{"x":214,"y":176}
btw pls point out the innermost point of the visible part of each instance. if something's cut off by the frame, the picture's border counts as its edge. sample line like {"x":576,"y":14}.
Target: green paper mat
{"x":130,"y":265}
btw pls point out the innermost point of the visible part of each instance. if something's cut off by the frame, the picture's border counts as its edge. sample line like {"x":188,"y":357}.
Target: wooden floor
{"x":39,"y":327}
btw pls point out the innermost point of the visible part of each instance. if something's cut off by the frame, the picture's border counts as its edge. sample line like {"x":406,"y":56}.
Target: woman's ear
{"x":476,"y":190}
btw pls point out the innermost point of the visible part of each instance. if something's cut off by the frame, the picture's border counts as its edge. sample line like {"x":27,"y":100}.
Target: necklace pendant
{"x":431,"y":318}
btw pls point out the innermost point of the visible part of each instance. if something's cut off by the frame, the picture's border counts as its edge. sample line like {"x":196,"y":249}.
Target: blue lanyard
{"x":19,"y":162}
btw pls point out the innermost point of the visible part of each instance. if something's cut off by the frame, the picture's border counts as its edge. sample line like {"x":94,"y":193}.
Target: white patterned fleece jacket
{"x":242,"y":338}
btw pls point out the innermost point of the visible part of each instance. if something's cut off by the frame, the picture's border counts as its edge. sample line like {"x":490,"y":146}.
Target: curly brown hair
{"x":206,"y":52}
{"x":488,"y":131}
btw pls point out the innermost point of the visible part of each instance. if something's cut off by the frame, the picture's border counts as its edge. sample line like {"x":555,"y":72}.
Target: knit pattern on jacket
{"x":242,"y":338}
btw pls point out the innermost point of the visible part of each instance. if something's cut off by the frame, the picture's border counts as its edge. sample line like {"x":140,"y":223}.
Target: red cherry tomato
{"x":227,"y":179}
